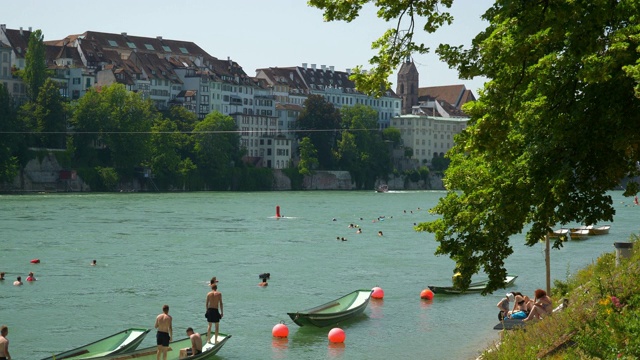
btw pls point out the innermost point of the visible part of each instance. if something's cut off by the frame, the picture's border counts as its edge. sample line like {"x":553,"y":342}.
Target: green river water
{"x":155,"y":249}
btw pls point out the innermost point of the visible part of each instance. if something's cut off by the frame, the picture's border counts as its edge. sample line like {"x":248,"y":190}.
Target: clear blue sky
{"x":254,"y":33}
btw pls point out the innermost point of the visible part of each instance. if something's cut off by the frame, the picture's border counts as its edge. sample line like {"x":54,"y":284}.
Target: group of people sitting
{"x":526,"y":309}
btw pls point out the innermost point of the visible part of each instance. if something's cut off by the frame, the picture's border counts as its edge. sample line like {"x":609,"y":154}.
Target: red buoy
{"x":280,"y":330}
{"x":426,"y":294}
{"x":377,"y":293}
{"x":336,"y":335}
{"x":35,"y":261}
{"x":278,"y":211}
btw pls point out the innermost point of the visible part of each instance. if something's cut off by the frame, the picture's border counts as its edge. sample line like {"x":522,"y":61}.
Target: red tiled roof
{"x":456,"y":95}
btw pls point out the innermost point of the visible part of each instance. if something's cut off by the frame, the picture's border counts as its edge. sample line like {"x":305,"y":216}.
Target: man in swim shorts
{"x":4,"y":343}
{"x":165,"y":332}
{"x":214,"y":311}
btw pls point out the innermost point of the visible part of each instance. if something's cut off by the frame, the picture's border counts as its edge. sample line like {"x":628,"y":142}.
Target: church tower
{"x":407,"y":87}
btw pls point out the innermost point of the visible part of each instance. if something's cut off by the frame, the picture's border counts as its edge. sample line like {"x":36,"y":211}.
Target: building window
{"x":131,"y":45}
{"x":184,"y":50}
{"x":149,"y":47}
{"x":113,"y":43}
{"x":76,"y":81}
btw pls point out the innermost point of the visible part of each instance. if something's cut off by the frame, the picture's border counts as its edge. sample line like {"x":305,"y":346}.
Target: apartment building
{"x":293,"y":84}
{"x":430,"y":130}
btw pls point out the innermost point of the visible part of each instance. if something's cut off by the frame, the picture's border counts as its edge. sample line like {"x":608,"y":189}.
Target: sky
{"x":253,"y":33}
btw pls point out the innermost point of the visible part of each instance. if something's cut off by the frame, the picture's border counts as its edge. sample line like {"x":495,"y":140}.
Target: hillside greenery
{"x":601,"y":322}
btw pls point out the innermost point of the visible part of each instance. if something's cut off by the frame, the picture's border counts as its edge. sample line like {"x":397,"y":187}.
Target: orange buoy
{"x":377,"y":293}
{"x":278,"y":211}
{"x":336,"y":335}
{"x":280,"y":330}
{"x":426,"y":294}
{"x":35,"y":261}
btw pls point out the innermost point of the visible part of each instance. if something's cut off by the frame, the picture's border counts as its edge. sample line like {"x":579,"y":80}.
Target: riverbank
{"x":602,"y":320}
{"x":45,"y":174}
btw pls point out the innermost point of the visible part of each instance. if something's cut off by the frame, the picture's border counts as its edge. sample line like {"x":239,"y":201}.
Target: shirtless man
{"x":196,"y":343}
{"x":214,"y":311}
{"x":18,"y":281}
{"x":4,"y":343}
{"x":165,"y":332}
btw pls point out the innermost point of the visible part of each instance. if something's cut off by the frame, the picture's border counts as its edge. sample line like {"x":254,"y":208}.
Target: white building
{"x":428,"y":136}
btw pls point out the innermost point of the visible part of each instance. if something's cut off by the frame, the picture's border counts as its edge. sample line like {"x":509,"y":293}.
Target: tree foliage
{"x":555,"y":128}
{"x":319,"y":121}
{"x":308,"y":157}
{"x":9,"y":138}
{"x":118,"y":119}
{"x":35,"y":72}
{"x":361,"y":148}
{"x":217,"y":146}
{"x":396,"y":44}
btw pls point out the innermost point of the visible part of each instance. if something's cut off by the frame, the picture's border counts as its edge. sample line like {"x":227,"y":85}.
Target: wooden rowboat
{"x":208,"y":350}
{"x":124,"y":341}
{"x":473,"y":287}
{"x":600,"y":230}
{"x":338,"y":310}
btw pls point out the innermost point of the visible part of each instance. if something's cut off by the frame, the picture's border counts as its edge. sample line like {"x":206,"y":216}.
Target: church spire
{"x":407,"y":88}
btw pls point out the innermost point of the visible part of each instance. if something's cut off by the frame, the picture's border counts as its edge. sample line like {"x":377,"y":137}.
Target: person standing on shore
{"x":214,"y":312}
{"x":4,"y":343}
{"x":165,"y":332}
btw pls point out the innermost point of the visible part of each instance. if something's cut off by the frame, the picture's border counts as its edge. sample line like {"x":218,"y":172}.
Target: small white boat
{"x":600,"y":230}
{"x":382,"y":188}
{"x":579,"y":234}
{"x":559,"y":233}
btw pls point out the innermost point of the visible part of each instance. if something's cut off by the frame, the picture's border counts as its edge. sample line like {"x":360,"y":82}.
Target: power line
{"x":179,"y":132}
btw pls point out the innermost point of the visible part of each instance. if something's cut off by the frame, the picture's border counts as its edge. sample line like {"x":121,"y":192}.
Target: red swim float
{"x":35,"y":261}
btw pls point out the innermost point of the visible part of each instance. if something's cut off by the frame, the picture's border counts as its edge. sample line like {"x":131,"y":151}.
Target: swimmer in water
{"x":359,"y":231}
{"x":93,"y":263}
{"x":379,"y":233}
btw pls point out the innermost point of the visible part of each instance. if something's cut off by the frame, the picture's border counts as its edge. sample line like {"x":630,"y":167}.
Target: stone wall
{"x":44,"y":175}
{"x":328,"y":180}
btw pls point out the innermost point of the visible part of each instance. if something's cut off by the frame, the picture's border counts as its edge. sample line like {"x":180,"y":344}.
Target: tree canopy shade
{"x":555,"y":127}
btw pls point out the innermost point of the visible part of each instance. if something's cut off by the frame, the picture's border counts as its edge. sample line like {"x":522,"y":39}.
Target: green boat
{"x":341,"y":309}
{"x":124,"y":341}
{"x":150,"y":353}
{"x":473,"y":287}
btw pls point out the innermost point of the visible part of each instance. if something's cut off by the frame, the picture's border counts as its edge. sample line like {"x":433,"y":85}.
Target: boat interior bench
{"x":328,"y":306}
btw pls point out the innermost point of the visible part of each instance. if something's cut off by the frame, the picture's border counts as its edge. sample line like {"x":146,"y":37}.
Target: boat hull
{"x":333,"y":312}
{"x":580,"y":234}
{"x":473,"y":287}
{"x":600,"y":230}
{"x":122,"y":342}
{"x":208,"y":351}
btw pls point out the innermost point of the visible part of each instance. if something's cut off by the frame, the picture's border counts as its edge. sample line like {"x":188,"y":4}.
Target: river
{"x":155,"y":249}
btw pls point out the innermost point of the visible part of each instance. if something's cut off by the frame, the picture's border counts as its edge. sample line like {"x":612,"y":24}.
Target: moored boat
{"x":338,"y":310}
{"x":580,"y":234}
{"x":124,"y":341}
{"x":208,"y":350}
{"x":559,"y":233}
{"x":475,"y":287}
{"x":600,"y":230}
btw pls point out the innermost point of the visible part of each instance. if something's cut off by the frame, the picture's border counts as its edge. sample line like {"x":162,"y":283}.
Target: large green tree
{"x":49,"y":116}
{"x":217,"y":145}
{"x":555,"y":128}
{"x":361,"y":148}
{"x":320,"y":121}
{"x":119,"y":120}
{"x":9,"y":136}
{"x":35,"y":71}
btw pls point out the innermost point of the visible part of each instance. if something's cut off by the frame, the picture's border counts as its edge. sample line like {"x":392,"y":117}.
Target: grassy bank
{"x":601,"y":322}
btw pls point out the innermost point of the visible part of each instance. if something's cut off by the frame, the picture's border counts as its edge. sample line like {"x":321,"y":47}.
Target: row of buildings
{"x":265,"y":106}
